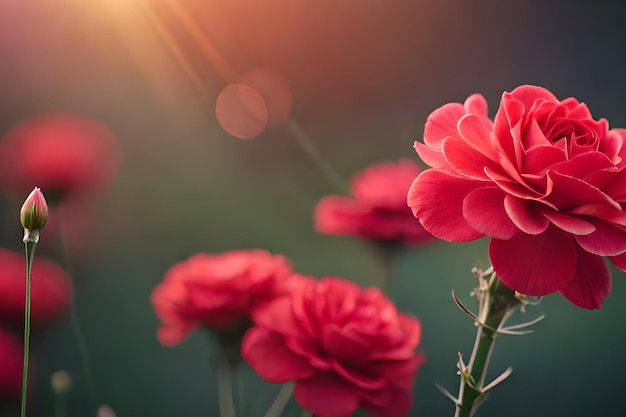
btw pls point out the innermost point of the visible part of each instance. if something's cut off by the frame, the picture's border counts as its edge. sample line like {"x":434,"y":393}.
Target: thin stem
{"x":30,"y":254}
{"x":312,"y":152}
{"x":497,"y":304}
{"x":225,"y":387}
{"x":76,"y":325}
{"x":387,"y":255}
{"x":60,"y":405}
{"x":281,"y":401}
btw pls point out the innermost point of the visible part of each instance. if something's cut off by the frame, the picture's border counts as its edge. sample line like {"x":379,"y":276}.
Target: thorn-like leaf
{"x":463,"y":308}
{"x":462,"y":366}
{"x":526,"y":324}
{"x":506,"y":330}
{"x":447,"y":394}
{"x":504,"y":375}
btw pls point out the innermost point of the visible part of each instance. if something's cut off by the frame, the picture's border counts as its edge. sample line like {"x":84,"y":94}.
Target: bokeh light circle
{"x":274,"y":90}
{"x":241,"y":111}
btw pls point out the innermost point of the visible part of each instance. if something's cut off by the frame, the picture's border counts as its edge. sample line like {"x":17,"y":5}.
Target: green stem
{"x":60,"y":406}
{"x":312,"y":152}
{"x":30,"y":254}
{"x":497,"y":305}
{"x":281,"y":401}
{"x":77,"y":328}
{"x":225,"y":387}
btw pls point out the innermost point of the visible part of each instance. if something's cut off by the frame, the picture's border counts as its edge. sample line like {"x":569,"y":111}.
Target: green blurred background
{"x":364,"y":75}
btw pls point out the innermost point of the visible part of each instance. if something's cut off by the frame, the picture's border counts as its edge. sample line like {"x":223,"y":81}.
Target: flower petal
{"x":535,"y":264}
{"x":265,"y":351}
{"x":528,"y":94}
{"x":619,"y":261}
{"x":327,"y":395}
{"x":437,"y":201}
{"x":476,"y":104}
{"x":431,"y":156}
{"x":464,"y":159}
{"x":398,"y":405}
{"x":527,"y":215}
{"x":474,"y":131}
{"x":571,"y":224}
{"x":592,"y":282}
{"x":569,"y":192}
{"x":606,"y":240}
{"x":483,"y":208}
{"x":441,"y":123}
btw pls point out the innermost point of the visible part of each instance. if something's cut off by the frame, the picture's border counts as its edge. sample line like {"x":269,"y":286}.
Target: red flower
{"x":218,"y":291}
{"x":11,"y":360}
{"x":545,"y":181}
{"x":61,"y":153}
{"x":343,"y":346}
{"x":378,"y":210}
{"x":51,"y":288}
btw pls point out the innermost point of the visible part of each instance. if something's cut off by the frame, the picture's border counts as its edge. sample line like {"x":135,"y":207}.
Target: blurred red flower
{"x":545,"y":181}
{"x":378,"y":209}
{"x":11,"y":362}
{"x":60,"y":153}
{"x":217,"y":291}
{"x":344,"y":347}
{"x":51,"y":288}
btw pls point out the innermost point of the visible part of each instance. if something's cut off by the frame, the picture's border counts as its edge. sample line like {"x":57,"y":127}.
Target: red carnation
{"x":11,"y":359}
{"x":61,"y":153}
{"x":217,"y":291}
{"x":378,"y":210}
{"x":344,"y":347}
{"x":51,"y":288}
{"x":545,"y":181}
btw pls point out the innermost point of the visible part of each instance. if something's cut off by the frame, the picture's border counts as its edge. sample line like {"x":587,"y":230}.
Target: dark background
{"x":364,"y":75}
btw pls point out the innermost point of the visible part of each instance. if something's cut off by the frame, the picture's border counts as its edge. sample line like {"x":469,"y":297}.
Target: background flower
{"x":343,"y":346}
{"x":546,"y":181}
{"x":11,"y":359}
{"x":378,"y":208}
{"x":217,"y":291}
{"x":51,"y":289}
{"x":60,"y":153}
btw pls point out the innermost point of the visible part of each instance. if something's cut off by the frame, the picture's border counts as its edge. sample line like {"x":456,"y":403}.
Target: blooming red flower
{"x":344,"y":347}
{"x":11,"y":360}
{"x":51,"y":288}
{"x":217,"y":291}
{"x":545,"y":181}
{"x":61,"y":153}
{"x":378,"y":210}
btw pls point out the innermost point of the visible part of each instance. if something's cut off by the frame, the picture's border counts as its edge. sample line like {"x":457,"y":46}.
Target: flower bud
{"x":33,"y":215}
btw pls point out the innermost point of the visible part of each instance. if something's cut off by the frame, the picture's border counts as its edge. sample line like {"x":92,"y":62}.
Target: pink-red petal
{"x":431,"y":156}
{"x":527,"y":94}
{"x":535,"y":264}
{"x":265,"y":351}
{"x":569,"y":223}
{"x":441,"y":123}
{"x":464,"y":159}
{"x":483,"y":208}
{"x":619,"y":261}
{"x":327,"y":395}
{"x":527,"y":215}
{"x":606,"y":240}
{"x":437,"y":201}
{"x":592,"y":282}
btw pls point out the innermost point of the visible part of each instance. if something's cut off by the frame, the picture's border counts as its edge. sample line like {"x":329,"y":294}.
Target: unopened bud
{"x":33,"y":215}
{"x":105,"y":411}
{"x":61,"y":382}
